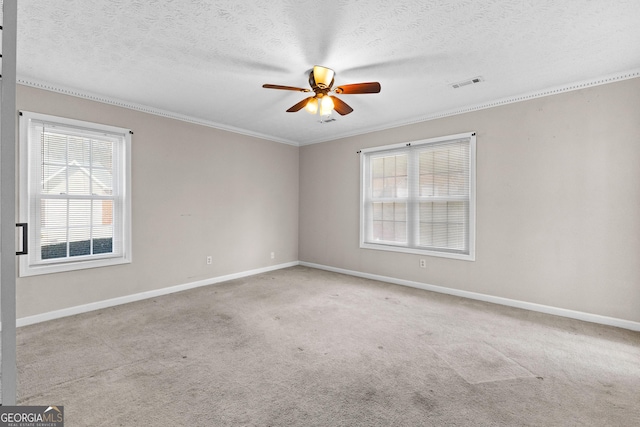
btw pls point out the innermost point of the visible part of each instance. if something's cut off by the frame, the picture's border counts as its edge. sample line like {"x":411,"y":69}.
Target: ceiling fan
{"x":321,"y":82}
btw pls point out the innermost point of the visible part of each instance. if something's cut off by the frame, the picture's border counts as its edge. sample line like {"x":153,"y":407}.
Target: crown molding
{"x":438,"y":115}
{"x":38,"y":84}
{"x":495,"y":103}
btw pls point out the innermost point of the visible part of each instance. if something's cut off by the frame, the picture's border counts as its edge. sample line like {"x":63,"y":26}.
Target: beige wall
{"x":558,"y":203}
{"x":197,"y":191}
{"x":557,"y":217}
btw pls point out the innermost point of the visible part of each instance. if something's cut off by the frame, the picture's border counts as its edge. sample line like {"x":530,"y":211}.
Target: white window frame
{"x":30,"y":184}
{"x":412,"y":220}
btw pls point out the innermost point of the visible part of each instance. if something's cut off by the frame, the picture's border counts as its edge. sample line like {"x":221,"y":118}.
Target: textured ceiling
{"x":207,"y":60}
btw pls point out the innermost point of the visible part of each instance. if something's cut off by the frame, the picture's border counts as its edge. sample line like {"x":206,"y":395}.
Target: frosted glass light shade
{"x":326,"y":105}
{"x":312,"y":106}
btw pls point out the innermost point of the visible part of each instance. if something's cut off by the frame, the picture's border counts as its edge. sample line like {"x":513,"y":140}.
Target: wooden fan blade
{"x":297,"y":89}
{"x":369,"y":87}
{"x":299,"y":106}
{"x":340,"y":106}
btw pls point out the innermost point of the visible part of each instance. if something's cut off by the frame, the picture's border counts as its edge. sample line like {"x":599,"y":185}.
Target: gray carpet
{"x":304,"y":347}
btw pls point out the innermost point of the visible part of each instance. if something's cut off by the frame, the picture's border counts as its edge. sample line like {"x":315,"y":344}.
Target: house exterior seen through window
{"x":74,"y":193}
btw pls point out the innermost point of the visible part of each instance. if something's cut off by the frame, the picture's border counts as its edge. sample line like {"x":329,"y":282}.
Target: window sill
{"x":27,"y":270}
{"x":425,"y":252}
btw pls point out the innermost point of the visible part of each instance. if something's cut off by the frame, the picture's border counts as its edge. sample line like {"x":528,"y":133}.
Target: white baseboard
{"x":587,"y":317}
{"x":71,"y":311}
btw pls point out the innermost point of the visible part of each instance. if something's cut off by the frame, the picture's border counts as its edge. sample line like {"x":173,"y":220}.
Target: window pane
{"x":102,"y":212}
{"x":426,"y":212}
{"x":102,"y":156}
{"x":457,"y":212}
{"x":377,"y":211}
{"x":54,"y":179}
{"x":401,"y":232}
{"x":387,"y":211}
{"x":53,"y":213}
{"x":400,"y":212}
{"x":444,"y":170}
{"x":102,"y":246}
{"x":53,"y":243}
{"x":439,"y":212}
{"x":79,"y":151}
{"x":390,"y":166}
{"x":426,"y":161}
{"x":389,"y":176}
{"x":440,"y":160}
{"x":102,"y":183}
{"x":102,"y":239}
{"x":441,"y":184}
{"x":378,"y":187}
{"x":459,"y":157}
{"x":79,"y":213}
{"x":426,"y":234}
{"x":458,"y":184}
{"x":388,"y":231}
{"x":426,"y":184}
{"x":79,"y":182}
{"x":389,"y":187}
{"x":377,"y":167}
{"x":377,"y":231}
{"x":401,"y":165}
{"x":443,"y":224}
{"x":390,"y":223}
{"x":439,"y":235}
{"x":79,"y":241}
{"x":54,"y":148}
{"x":456,"y":236}
{"x":402,"y":186}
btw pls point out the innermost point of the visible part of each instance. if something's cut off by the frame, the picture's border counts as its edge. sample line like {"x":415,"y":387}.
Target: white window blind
{"x":420,"y":197}
{"x":74,"y":194}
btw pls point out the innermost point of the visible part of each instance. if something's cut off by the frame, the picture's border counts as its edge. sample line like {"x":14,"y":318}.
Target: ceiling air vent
{"x":468,"y":82}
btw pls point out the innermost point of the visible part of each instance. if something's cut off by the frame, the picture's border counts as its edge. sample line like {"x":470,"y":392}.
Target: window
{"x":74,"y":193}
{"x":420,"y":197}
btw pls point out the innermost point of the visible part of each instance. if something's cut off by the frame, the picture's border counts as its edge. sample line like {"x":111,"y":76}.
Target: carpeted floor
{"x":305,"y":347}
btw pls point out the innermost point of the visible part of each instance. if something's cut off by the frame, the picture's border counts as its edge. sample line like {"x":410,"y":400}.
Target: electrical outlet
{"x":209,"y":260}
{"x":423,"y":263}
{"x":273,"y":255}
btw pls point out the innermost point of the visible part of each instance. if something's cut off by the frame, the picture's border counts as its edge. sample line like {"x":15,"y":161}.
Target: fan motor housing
{"x":318,"y":87}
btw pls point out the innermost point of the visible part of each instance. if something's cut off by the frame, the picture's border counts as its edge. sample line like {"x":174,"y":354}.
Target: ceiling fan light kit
{"x":321,"y":81}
